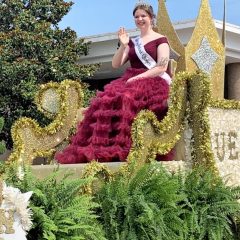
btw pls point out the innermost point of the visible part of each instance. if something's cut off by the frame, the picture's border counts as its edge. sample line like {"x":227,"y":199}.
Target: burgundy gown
{"x":105,"y":133}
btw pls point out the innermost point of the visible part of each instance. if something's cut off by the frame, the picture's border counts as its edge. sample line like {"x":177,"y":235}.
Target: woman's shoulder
{"x":158,"y":35}
{"x":160,"y":38}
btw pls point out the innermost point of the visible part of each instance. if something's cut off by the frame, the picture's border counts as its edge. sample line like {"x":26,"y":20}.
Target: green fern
{"x":149,"y":204}
{"x":142,"y":207}
{"x":210,"y":206}
{"x":60,"y":209}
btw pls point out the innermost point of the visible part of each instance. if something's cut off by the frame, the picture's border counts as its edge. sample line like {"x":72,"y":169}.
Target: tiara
{"x":142,"y":3}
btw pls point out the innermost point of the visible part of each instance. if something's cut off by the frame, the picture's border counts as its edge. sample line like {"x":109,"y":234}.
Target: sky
{"x":94,"y":17}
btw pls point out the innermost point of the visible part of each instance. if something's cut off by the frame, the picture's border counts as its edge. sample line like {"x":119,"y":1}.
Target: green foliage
{"x":210,"y":207}
{"x":145,"y":206}
{"x":60,"y":209}
{"x":2,"y":144}
{"x":88,"y":94}
{"x":33,"y":50}
{"x":153,"y":204}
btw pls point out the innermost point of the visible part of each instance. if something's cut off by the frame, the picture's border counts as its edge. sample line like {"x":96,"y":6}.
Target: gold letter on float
{"x":232,"y":145}
{"x":222,"y":148}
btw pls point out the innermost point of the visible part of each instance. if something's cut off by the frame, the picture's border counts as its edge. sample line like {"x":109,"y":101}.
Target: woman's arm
{"x":121,"y":55}
{"x":163,"y":53}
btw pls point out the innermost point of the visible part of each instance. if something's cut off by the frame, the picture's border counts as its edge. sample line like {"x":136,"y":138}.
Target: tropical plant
{"x":60,"y":209}
{"x":144,"y":206}
{"x":154,"y":204}
{"x":33,"y":51}
{"x":210,"y":208}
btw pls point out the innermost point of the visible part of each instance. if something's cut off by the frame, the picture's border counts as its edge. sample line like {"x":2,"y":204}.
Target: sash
{"x":146,"y":59}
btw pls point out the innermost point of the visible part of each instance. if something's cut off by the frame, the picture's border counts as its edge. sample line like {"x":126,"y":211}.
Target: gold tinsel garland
{"x":199,"y":95}
{"x":48,"y":131}
{"x":40,"y":96}
{"x":98,"y":171}
{"x":151,"y":137}
{"x":60,"y":89}
{"x":199,"y":98}
{"x":225,"y":104}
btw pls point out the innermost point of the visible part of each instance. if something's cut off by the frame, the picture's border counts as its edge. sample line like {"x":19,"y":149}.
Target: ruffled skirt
{"x":105,"y":133}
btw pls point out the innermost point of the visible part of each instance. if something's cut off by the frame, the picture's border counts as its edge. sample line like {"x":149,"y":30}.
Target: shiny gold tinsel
{"x":1,"y":193}
{"x":225,"y":104}
{"x":151,"y":137}
{"x":30,"y":140}
{"x":48,"y":95}
{"x":199,"y":98}
{"x":99,"y":171}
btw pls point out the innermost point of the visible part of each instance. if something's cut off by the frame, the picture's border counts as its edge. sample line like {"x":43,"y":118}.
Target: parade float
{"x":200,"y":124}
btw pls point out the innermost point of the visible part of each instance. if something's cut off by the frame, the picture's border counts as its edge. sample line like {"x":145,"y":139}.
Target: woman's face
{"x":142,"y":19}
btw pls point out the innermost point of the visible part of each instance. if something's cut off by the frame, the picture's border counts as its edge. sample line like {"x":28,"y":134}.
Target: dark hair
{"x":147,"y":8}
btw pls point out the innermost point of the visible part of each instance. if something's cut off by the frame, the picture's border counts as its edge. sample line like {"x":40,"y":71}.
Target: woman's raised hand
{"x":123,"y":37}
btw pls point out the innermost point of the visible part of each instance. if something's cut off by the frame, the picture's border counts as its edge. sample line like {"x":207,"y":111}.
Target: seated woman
{"x":105,"y":133}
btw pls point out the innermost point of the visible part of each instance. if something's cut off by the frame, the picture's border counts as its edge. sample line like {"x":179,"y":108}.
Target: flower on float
{"x":18,"y":202}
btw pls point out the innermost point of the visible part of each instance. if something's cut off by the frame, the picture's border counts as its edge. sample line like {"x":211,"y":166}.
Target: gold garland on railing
{"x":151,"y":137}
{"x":31,"y":140}
{"x":225,"y":104}
{"x":200,"y":98}
{"x":98,"y":171}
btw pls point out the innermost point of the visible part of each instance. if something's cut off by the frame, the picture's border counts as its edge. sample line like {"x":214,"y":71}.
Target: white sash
{"x":146,"y":59}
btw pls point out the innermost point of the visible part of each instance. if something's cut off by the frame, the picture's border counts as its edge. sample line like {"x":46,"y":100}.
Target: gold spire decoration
{"x":205,"y":30}
{"x":204,"y":51}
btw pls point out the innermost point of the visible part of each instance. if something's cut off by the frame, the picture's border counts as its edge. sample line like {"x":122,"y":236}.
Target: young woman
{"x":105,"y":133}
